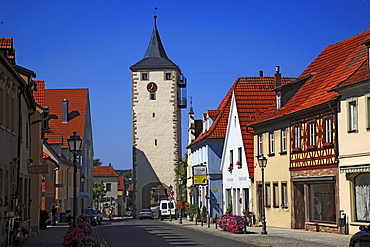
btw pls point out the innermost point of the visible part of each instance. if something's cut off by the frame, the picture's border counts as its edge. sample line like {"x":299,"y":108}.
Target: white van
{"x":167,"y":209}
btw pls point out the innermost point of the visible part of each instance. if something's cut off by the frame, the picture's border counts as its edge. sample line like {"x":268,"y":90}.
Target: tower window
{"x":152,"y":96}
{"x":168,"y":76}
{"x":155,"y":142}
{"x":144,"y":76}
{"x":153,"y":114}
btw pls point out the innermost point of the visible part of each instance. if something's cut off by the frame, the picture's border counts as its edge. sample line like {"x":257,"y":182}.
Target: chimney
{"x":261,"y":73}
{"x":65,"y":111}
{"x":277,"y":77}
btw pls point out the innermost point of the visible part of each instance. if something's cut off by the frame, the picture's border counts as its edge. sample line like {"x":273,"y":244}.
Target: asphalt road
{"x":137,"y":233}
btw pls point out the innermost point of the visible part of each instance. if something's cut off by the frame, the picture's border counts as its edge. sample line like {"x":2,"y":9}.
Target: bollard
{"x":216,"y":221}
{"x":209,"y":220}
{"x":245,"y":224}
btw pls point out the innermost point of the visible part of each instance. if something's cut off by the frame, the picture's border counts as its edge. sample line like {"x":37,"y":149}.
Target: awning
{"x":354,"y":169}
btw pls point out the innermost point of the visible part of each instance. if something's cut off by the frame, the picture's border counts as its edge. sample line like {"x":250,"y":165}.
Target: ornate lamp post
{"x":181,"y":206}
{"x":82,"y":180}
{"x":74,"y":143}
{"x":262,"y":162}
{"x":170,"y":188}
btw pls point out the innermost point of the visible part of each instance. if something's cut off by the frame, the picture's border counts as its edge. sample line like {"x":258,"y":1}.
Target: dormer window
{"x":367,"y":43}
{"x":278,"y":100}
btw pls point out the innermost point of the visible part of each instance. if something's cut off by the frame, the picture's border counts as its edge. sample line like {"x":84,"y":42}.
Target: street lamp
{"x":74,"y":143}
{"x":82,"y":179}
{"x":170,"y":188}
{"x":180,"y":192}
{"x":262,"y":162}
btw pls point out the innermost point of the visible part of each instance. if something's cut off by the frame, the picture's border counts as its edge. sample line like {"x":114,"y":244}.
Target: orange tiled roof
{"x":45,"y":155}
{"x":340,"y":63}
{"x":253,"y":95}
{"x":7,"y":43}
{"x":121,"y":180}
{"x":77,"y":104}
{"x":39,"y":95}
{"x":104,"y":171}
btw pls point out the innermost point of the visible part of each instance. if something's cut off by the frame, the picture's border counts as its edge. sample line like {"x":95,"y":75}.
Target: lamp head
{"x":74,"y":142}
{"x":262,"y":161}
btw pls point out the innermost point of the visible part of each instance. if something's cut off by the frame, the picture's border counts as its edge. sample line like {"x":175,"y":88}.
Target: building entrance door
{"x":299,"y":206}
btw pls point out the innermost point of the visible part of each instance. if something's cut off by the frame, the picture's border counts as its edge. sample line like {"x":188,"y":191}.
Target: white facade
{"x":236,"y":182}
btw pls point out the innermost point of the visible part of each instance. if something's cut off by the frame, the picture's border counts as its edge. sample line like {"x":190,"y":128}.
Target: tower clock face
{"x":151,"y":87}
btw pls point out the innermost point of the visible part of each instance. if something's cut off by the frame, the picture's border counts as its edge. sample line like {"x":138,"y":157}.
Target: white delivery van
{"x":167,"y":209}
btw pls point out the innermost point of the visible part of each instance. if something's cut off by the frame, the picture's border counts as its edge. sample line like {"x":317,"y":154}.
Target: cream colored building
{"x":156,"y":121}
{"x":276,"y":177}
{"x":354,"y":153}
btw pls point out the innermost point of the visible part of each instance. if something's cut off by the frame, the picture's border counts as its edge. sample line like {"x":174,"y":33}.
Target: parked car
{"x":146,"y":214}
{"x":94,"y":216}
{"x":362,"y":238}
{"x":167,"y":209}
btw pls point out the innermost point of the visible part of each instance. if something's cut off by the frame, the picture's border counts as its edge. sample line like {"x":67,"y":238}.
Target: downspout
{"x":335,"y":113}
{"x":67,"y":189}
{"x":55,"y":182}
{"x":16,"y":194}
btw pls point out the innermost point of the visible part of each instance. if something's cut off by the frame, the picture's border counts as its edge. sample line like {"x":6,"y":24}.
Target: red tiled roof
{"x":213,"y":113}
{"x":121,"y":180}
{"x":337,"y":64}
{"x":7,"y":43}
{"x":104,"y":171}
{"x":77,"y":104}
{"x":39,"y":95}
{"x":45,"y":155}
{"x":253,"y":95}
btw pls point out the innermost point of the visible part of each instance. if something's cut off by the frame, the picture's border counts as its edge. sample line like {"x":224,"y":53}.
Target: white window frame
{"x":352,"y":107}
{"x":278,"y":100}
{"x":283,"y":141}
{"x":259,"y":145}
{"x":271,"y":142}
{"x":367,"y":102}
{"x":328,"y":130}
{"x":312,"y":133}
{"x":297,"y":136}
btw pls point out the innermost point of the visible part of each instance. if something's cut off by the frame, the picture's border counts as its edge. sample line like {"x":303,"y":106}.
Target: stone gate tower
{"x":157,"y":85}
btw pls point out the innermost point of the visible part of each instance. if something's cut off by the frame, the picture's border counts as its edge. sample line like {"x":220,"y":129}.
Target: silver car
{"x":146,"y":214}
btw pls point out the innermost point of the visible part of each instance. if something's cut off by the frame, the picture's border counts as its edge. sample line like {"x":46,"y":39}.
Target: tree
{"x":97,"y":162}
{"x":182,"y":173}
{"x":99,"y":193}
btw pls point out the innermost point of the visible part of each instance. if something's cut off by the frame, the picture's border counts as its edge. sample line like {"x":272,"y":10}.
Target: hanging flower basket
{"x":230,"y":168}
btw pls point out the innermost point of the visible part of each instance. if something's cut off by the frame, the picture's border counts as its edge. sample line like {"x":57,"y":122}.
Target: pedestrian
{"x":54,"y":217}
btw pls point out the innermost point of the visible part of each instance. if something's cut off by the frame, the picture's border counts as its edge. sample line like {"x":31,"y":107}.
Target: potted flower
{"x":239,"y":164}
{"x":231,"y":167}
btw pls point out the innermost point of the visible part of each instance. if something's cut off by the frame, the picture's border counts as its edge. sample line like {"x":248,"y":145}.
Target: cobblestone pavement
{"x":275,"y":237}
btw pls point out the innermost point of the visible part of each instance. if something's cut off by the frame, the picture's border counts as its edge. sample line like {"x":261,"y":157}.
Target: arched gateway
{"x":156,"y":121}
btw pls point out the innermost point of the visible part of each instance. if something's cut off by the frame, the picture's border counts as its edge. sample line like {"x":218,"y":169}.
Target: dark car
{"x":93,"y":215}
{"x":146,"y":214}
{"x":362,"y":238}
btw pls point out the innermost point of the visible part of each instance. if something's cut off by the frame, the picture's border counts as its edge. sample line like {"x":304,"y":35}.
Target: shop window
{"x":362,"y":197}
{"x":322,"y":201}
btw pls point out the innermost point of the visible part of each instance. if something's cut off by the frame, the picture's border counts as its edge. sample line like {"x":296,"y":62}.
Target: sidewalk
{"x":275,"y":237}
{"x":51,"y":237}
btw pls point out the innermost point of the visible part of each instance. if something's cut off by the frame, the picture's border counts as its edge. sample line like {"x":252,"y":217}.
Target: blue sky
{"x":92,"y":44}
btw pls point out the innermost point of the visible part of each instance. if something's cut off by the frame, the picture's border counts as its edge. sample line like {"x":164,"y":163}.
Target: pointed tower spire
{"x":155,"y":56}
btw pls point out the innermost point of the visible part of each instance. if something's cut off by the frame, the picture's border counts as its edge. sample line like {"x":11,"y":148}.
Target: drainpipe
{"x":18,"y":162}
